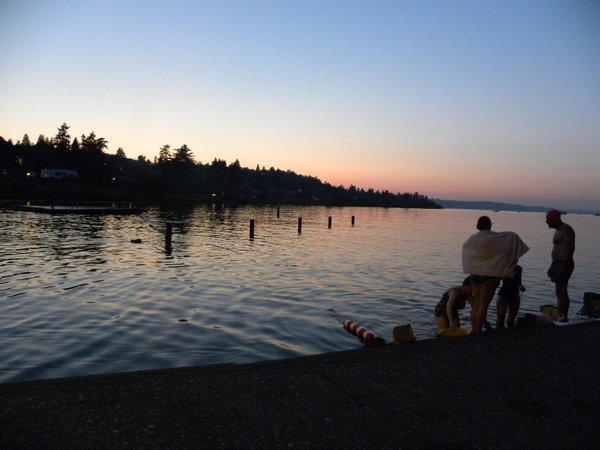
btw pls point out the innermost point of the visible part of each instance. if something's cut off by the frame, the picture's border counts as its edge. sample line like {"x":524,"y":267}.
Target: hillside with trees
{"x":28,"y":170}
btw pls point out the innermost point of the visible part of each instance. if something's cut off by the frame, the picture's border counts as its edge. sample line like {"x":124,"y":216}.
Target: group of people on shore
{"x":491,"y":258}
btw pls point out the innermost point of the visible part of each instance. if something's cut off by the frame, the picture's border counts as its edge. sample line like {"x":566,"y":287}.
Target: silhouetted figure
{"x":509,"y":299}
{"x":563,"y":264}
{"x":453,"y":300}
{"x":489,"y":256}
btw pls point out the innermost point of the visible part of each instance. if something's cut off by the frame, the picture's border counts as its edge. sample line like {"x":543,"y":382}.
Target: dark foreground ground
{"x":532,"y":388}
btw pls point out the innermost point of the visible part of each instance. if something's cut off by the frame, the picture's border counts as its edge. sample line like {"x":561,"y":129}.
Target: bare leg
{"x":475,"y":304}
{"x":501,"y":306}
{"x":513,"y":310}
{"x":486,"y":293}
{"x":563,"y":301}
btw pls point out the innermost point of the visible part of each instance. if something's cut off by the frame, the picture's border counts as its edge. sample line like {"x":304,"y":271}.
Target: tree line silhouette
{"x":174,"y":174}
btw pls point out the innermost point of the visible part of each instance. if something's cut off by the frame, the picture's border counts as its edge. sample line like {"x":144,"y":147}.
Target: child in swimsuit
{"x":509,"y":299}
{"x":454,"y":299}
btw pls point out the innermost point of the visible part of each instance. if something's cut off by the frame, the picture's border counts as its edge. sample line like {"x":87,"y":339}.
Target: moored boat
{"x":65,"y":209}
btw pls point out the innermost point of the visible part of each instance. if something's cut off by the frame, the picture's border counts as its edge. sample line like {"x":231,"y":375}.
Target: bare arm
{"x":452,"y":309}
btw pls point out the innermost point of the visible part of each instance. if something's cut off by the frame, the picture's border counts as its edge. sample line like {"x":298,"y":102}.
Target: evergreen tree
{"x":183,"y":156}
{"x":93,"y":161}
{"x":62,"y":140}
{"x":26,"y":143}
{"x":164,"y":156}
{"x":75,"y":147}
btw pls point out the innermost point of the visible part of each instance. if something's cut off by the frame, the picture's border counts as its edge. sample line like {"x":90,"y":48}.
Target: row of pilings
{"x":169,"y":228}
{"x":329,"y":224}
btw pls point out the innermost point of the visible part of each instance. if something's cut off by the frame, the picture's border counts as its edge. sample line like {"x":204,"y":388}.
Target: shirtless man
{"x":562,"y":260}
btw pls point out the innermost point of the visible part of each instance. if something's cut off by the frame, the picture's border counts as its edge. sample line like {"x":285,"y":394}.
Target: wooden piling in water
{"x":278,"y":212}
{"x":168,"y":236}
{"x":329,"y":222}
{"x":352,"y":220}
{"x":299,"y":225}
{"x":251,"y":229}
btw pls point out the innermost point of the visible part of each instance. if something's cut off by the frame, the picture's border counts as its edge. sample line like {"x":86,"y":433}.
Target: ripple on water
{"x":80,"y":298}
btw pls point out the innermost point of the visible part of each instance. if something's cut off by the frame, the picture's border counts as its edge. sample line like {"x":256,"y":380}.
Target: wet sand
{"x":530,"y":388}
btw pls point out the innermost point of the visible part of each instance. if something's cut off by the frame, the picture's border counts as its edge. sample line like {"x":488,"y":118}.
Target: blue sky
{"x":479,"y":100}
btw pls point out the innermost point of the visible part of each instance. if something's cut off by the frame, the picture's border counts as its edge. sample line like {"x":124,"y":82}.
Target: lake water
{"x":77,"y":297}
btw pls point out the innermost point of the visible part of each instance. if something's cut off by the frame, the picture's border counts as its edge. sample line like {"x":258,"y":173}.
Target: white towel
{"x":493,"y":254}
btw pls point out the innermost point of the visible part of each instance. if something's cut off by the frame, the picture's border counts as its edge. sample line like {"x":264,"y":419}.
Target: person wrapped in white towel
{"x":489,"y":256}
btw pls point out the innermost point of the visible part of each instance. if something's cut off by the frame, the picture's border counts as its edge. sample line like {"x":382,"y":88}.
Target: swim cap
{"x":553,"y":214}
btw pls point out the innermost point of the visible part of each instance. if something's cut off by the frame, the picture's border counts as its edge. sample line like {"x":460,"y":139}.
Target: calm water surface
{"x":77,"y":297}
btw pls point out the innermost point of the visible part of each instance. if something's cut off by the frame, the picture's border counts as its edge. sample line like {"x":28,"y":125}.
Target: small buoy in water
{"x":136,"y":241}
{"x":362,"y":333}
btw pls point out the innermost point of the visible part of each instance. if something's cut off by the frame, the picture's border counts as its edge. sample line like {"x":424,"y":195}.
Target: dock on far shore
{"x":76,"y":209}
{"x":528,"y":388}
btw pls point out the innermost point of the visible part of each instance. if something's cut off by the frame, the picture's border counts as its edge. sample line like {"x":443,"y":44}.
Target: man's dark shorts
{"x":560,"y":271}
{"x":480,"y":279}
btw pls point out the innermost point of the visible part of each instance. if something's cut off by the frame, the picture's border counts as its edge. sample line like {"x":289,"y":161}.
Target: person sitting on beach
{"x":454,"y":299}
{"x":489,"y":256}
{"x":509,"y":299}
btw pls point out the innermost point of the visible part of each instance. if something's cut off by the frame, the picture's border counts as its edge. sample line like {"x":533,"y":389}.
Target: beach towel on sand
{"x":493,"y":254}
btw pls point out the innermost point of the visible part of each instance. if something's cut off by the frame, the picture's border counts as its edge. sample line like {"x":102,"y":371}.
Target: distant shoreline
{"x":69,"y":193}
{"x":79,"y":193}
{"x":499,"y":206}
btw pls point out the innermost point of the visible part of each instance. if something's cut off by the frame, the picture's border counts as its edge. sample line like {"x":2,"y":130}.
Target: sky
{"x":462,"y":100}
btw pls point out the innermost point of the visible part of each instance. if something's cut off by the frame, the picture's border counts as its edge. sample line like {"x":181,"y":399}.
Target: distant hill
{"x":458,"y":204}
{"x":493,"y":206}
{"x":61,"y":169}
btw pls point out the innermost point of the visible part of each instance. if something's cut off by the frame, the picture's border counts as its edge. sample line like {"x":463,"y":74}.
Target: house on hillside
{"x":59,"y":174}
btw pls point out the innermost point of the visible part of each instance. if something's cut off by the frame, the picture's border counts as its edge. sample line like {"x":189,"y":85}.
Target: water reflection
{"x":77,"y":296}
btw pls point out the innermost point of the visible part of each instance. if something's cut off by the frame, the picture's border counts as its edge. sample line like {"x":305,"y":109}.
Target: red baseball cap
{"x":553,"y":214}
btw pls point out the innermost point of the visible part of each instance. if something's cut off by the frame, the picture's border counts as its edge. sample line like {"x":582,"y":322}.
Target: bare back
{"x":563,"y":243}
